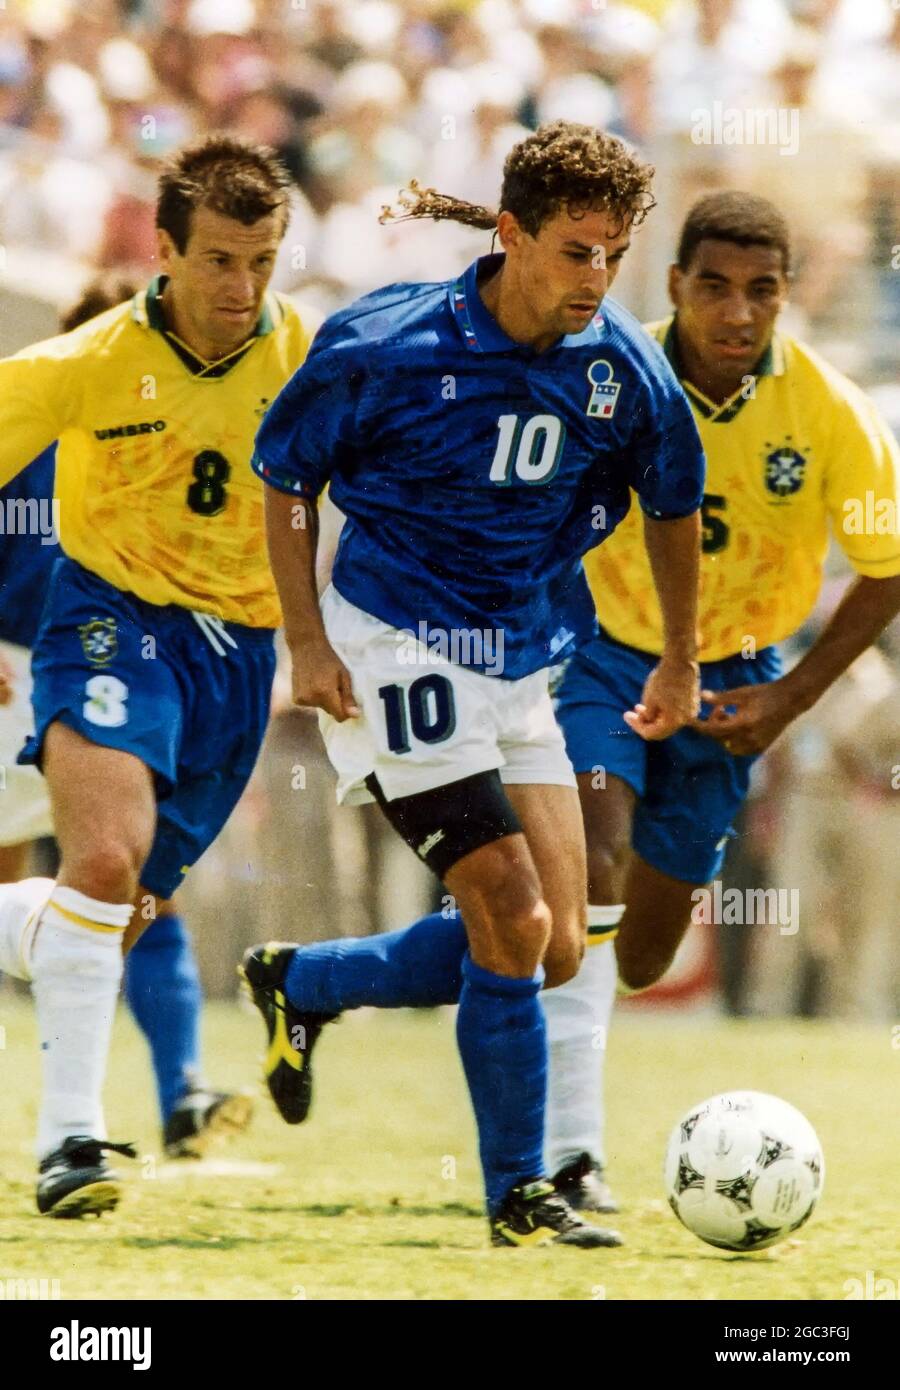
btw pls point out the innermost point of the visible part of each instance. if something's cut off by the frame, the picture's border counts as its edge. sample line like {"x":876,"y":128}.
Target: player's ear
{"x":166,"y":249}
{"x":676,"y":278}
{"x":508,"y":230}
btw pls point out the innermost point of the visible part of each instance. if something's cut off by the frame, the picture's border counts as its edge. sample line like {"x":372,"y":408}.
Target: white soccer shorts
{"x":427,"y":721}
{"x":24,"y":799}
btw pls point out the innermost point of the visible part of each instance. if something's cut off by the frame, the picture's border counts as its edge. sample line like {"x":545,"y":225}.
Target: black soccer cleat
{"x":583,"y":1184}
{"x":533,"y":1213}
{"x":292,"y":1033}
{"x":74,"y":1180}
{"x":201,"y":1118}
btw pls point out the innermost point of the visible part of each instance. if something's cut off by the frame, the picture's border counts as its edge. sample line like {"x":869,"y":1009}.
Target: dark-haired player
{"x":793,"y":449}
{"x":161,"y":981}
{"x":479,"y":436}
{"x":153,"y":664}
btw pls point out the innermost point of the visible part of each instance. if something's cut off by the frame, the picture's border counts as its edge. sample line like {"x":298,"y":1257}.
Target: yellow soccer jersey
{"x":153,"y":478}
{"x":804,"y":448}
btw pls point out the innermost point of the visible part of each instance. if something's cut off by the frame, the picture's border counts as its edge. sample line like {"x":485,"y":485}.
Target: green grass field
{"x":378,"y":1195}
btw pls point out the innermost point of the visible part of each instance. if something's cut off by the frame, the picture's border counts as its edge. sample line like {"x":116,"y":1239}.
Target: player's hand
{"x":7,"y":680}
{"x":748,"y":719}
{"x":670,"y":700}
{"x":319,"y":678}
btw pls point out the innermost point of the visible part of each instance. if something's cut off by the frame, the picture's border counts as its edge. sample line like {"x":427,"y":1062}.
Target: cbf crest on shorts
{"x":605,"y":393}
{"x":785,"y":469}
{"x":99,"y":641}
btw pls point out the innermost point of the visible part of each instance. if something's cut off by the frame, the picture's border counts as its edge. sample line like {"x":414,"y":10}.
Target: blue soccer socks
{"x":417,"y":967}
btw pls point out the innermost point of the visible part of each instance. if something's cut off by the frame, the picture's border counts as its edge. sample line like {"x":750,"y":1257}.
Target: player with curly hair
{"x":480,"y":436}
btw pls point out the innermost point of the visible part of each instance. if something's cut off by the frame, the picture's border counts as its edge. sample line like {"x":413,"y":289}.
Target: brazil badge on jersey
{"x":186,"y":692}
{"x":153,"y":479}
{"x":157,"y":634}
{"x":797,"y":453}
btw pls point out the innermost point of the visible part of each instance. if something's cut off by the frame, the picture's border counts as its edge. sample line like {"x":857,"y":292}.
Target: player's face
{"x":727,"y":302}
{"x":563,"y":273}
{"x":216,"y":288}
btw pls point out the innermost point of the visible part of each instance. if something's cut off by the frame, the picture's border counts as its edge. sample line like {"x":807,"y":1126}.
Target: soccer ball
{"x":743,"y":1170}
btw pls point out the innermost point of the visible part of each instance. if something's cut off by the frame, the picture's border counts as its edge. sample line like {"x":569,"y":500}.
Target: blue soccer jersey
{"x":28,"y":548}
{"x":473,"y":471}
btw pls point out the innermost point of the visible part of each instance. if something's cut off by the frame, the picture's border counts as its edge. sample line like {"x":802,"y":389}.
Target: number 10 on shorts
{"x":426,"y":709}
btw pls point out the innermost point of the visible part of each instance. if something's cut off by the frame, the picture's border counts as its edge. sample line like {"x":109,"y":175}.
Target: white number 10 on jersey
{"x":532,"y":451}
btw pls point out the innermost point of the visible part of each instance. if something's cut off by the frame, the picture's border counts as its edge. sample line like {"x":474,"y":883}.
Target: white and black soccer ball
{"x":743,"y":1170}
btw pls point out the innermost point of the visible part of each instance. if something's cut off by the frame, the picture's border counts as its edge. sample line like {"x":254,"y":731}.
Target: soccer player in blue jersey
{"x":479,"y":437}
{"x":161,"y":980}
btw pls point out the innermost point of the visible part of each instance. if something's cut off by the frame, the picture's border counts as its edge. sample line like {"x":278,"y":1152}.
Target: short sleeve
{"x":862,"y":488}
{"x":668,"y":465}
{"x":40,"y":395}
{"x":309,"y":428}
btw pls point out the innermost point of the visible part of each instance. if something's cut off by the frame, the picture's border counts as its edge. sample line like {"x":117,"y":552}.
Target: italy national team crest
{"x":99,"y":641}
{"x":605,"y":392}
{"x":785,"y":469}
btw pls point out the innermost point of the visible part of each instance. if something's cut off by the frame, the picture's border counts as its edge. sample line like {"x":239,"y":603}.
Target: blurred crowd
{"x":359,"y":96}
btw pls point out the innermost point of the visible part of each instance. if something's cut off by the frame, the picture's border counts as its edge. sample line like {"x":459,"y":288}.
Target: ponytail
{"x":427,"y":202}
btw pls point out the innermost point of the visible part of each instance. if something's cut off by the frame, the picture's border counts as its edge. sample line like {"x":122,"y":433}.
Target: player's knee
{"x":107,"y":868}
{"x":607,"y":862}
{"x":563,"y":962}
{"x":514,"y":916}
{"x":565,"y":951}
{"x":525,"y":927}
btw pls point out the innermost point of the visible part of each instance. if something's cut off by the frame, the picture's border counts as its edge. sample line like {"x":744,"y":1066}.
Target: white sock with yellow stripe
{"x":20,"y":907}
{"x":578,"y":1015}
{"x":76,"y":968}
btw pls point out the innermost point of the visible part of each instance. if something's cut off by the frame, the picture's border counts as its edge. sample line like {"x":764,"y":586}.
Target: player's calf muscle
{"x":657,"y":915}
{"x":642,"y":966}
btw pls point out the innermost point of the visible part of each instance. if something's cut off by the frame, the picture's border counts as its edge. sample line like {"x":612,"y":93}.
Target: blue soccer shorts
{"x":689,"y":788}
{"x":186,"y":693}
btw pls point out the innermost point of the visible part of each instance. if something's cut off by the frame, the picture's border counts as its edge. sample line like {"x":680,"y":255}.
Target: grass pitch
{"x":378,"y":1195}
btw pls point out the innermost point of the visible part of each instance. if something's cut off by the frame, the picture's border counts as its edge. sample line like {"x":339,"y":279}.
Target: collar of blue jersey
{"x":480,"y":330}
{"x":770,"y":364}
{"x":147,"y":308}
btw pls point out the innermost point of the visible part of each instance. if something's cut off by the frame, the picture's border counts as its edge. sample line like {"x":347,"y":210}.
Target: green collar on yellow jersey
{"x":770,"y":364}
{"x":147,"y":308}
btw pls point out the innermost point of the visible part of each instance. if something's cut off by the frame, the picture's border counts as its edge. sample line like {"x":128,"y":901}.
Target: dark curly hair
{"x":562,"y":165}
{"x":230,"y":175}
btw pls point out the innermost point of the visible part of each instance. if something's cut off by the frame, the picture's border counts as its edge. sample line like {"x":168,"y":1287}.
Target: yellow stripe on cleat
{"x":280,"y":1049}
{"x":542,"y":1235}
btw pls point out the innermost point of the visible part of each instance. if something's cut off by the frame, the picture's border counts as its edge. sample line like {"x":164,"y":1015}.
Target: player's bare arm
{"x":319,"y":677}
{"x":750,"y":718}
{"x":671,"y":695}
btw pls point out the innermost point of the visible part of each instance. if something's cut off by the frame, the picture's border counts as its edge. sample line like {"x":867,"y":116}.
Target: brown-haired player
{"x":794,"y":450}
{"x":161,"y":980}
{"x":479,"y":436}
{"x":153,"y":663}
